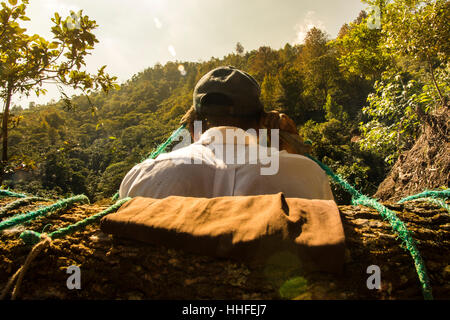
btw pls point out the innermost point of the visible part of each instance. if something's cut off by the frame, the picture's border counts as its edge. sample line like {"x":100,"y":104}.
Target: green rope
{"x":400,"y":228}
{"x":33,"y":237}
{"x":17,"y":204}
{"x":162,"y":147}
{"x":19,"y":218}
{"x":444,"y":194}
{"x":7,"y":193}
{"x":397,"y":225}
{"x":441,"y":203}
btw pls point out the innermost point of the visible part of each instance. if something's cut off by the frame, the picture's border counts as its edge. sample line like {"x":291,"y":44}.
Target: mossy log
{"x":114,"y":268}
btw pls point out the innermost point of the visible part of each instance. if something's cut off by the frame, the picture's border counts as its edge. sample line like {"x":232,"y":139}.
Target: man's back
{"x":204,"y":169}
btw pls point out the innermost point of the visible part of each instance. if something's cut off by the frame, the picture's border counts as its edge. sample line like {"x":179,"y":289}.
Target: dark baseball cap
{"x":227,"y":91}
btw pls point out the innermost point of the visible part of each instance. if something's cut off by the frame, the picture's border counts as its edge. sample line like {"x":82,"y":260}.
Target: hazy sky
{"x":137,"y":34}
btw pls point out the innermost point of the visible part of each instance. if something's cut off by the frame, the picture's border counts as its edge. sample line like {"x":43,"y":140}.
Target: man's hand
{"x":289,"y":138}
{"x":276,"y":120}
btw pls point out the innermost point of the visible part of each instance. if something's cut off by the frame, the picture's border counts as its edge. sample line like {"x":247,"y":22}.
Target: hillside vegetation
{"x":361,"y":99}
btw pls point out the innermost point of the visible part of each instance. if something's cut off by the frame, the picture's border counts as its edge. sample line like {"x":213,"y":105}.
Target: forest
{"x":362,"y":100}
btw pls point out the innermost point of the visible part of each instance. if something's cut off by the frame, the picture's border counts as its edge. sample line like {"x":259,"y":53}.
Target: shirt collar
{"x":228,"y":135}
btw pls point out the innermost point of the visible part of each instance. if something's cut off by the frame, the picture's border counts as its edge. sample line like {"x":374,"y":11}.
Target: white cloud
{"x":60,"y":7}
{"x":310,"y":21}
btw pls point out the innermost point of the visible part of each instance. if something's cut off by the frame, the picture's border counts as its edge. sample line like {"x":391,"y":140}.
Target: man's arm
{"x":129,"y":180}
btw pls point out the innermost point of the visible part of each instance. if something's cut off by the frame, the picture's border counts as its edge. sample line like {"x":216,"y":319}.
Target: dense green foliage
{"x":351,"y":97}
{"x":29,"y":61}
{"x":415,"y":81}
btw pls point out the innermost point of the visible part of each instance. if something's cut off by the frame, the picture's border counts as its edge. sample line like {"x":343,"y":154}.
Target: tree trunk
{"x":121,"y":269}
{"x":5,"y":124}
{"x":441,"y":97}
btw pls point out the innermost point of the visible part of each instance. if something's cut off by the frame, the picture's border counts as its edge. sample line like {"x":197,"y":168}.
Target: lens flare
{"x":182,"y":70}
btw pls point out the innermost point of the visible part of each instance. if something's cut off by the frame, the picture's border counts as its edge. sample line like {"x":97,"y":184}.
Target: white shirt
{"x":206,"y":169}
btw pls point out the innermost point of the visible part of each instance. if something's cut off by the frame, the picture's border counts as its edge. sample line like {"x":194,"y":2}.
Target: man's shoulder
{"x":295,"y":157}
{"x":292,"y":159}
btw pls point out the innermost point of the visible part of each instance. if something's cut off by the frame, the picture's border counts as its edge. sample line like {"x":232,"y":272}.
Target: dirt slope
{"x":425,"y":166}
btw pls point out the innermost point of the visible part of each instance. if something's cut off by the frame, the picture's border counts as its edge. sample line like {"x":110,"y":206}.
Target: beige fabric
{"x":173,"y":174}
{"x":249,"y":228}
